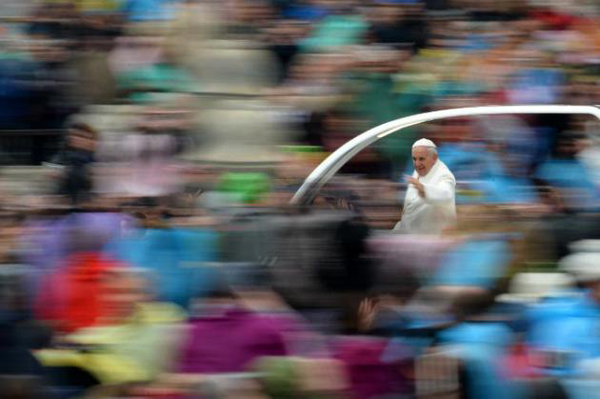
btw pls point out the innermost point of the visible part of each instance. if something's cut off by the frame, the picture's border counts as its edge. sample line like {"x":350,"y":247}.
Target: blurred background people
{"x":74,"y":164}
{"x":149,"y":150}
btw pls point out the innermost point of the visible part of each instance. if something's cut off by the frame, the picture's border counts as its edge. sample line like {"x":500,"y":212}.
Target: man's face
{"x":423,"y":160}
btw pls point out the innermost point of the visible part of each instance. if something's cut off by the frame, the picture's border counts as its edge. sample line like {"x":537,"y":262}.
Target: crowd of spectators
{"x":162,"y":257}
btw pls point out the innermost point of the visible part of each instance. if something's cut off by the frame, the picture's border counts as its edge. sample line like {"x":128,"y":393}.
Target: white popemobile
{"x":587,"y":387}
{"x":329,"y":167}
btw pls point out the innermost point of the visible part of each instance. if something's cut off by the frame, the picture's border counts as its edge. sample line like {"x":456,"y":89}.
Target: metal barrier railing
{"x":28,"y":146}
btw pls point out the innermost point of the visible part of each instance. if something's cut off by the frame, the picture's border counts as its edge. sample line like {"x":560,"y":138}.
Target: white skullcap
{"x":424,"y":143}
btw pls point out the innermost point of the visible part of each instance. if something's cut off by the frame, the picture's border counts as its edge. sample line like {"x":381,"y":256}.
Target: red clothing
{"x":554,"y":19}
{"x":518,"y":364}
{"x":72,"y":296}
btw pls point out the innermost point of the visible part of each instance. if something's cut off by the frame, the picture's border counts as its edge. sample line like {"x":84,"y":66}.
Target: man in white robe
{"x":429,"y":206}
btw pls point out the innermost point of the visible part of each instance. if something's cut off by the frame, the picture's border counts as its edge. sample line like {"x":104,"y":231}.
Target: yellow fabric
{"x":91,"y":5}
{"x":132,"y":351}
{"x":106,"y":367}
{"x":98,"y":5}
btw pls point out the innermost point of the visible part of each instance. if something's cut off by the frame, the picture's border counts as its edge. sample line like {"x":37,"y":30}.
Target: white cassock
{"x":435,"y":212}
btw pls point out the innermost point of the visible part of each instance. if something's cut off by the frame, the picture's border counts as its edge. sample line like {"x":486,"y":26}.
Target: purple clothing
{"x":50,"y":241}
{"x":301,"y":339}
{"x":369,"y":375}
{"x":228,"y":342}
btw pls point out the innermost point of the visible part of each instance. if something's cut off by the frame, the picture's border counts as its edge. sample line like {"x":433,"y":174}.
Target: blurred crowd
{"x":158,"y":255}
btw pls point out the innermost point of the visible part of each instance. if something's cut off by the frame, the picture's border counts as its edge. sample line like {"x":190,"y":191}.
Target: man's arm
{"x":441,"y":192}
{"x":435,"y":194}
